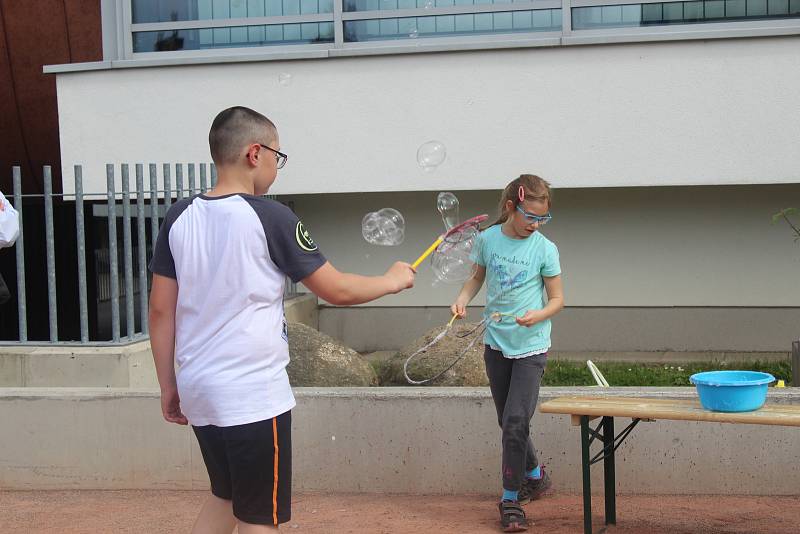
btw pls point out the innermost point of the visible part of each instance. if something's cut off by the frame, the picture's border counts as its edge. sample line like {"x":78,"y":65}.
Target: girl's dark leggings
{"x":515,"y":390}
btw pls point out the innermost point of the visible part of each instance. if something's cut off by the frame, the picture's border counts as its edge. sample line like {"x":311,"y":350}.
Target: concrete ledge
{"x":119,"y":366}
{"x":110,"y":366}
{"x":396,"y":440}
{"x":302,"y":309}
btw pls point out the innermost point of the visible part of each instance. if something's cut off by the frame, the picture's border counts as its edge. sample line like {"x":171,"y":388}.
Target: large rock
{"x":470,"y":371}
{"x":319,"y":360}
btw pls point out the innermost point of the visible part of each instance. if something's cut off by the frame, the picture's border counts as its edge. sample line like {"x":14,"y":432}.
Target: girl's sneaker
{"x":512,"y":517}
{"x":533,"y":488}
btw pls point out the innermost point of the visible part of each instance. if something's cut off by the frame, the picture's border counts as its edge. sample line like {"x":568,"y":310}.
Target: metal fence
{"x":120,"y":276}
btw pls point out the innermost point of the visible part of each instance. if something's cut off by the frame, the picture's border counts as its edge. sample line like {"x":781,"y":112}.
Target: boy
{"x":216,"y":307}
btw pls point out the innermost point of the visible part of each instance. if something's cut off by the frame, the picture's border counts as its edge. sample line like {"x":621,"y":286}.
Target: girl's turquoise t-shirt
{"x":514,"y":285}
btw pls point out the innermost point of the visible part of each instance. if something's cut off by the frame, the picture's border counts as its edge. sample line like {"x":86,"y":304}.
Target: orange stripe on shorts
{"x":275,"y":472}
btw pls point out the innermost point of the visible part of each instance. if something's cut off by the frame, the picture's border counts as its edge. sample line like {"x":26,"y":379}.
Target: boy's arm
{"x":163,"y":300}
{"x":555,"y":302}
{"x":468,"y":292}
{"x":344,"y":289}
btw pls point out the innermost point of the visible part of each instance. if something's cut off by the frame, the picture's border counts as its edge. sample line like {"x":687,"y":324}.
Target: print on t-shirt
{"x":304,"y":238}
{"x":508,"y":282}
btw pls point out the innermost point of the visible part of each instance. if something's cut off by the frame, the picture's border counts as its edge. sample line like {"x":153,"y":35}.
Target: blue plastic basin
{"x":732,"y":391}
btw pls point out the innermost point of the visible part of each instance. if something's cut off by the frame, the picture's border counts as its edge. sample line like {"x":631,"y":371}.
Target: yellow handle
{"x":454,"y":318}
{"x":426,"y":254}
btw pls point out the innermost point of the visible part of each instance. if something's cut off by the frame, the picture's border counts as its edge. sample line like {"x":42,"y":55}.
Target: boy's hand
{"x":401,"y":275}
{"x":530,"y":318}
{"x":171,"y":407}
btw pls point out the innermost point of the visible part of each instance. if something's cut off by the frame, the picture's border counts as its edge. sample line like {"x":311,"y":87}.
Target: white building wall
{"x":667,"y":113}
{"x":597,"y":121}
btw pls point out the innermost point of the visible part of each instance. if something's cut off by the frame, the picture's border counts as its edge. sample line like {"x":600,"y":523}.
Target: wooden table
{"x":584,"y":409}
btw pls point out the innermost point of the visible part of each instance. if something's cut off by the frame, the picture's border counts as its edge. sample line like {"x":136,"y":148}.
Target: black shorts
{"x":251,"y":465}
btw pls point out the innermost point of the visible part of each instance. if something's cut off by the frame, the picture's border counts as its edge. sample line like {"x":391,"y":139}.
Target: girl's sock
{"x":535,"y":473}
{"x":510,"y":495}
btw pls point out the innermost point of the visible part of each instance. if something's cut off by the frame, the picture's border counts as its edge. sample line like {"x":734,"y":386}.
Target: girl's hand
{"x":530,"y":318}
{"x":459,"y":309}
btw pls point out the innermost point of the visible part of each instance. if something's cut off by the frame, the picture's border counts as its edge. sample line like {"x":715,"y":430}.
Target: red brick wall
{"x":34,"y":33}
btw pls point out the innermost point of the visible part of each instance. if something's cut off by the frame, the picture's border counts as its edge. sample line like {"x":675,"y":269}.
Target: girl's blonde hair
{"x":533,"y":186}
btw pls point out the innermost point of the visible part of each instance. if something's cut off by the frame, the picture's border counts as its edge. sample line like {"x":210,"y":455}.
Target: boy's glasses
{"x":533,"y":218}
{"x":280,"y":157}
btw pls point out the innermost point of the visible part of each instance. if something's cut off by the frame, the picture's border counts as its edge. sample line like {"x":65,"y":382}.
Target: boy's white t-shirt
{"x":230,"y":256}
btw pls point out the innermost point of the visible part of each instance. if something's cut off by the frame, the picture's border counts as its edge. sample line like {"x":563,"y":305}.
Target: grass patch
{"x":570,"y":373}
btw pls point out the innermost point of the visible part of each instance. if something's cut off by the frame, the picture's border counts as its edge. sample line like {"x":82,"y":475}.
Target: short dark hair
{"x":235,"y":127}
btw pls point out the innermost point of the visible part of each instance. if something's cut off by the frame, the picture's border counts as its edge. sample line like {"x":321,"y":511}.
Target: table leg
{"x":587,"y":479}
{"x":609,"y":471}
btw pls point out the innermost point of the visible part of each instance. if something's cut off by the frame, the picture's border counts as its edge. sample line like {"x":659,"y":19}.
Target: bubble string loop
{"x":496,"y":317}
{"x":479,"y":329}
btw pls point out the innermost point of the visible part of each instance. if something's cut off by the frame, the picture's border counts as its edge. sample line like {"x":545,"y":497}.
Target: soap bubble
{"x":284,"y":78}
{"x":452,"y":260}
{"x":430,"y":155}
{"x":447,"y":204}
{"x":384,"y":227}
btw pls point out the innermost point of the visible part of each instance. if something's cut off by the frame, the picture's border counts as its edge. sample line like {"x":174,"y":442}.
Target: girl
{"x":519,"y":264}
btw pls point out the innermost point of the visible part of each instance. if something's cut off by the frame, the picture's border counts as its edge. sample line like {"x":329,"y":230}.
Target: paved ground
{"x":163,"y":512}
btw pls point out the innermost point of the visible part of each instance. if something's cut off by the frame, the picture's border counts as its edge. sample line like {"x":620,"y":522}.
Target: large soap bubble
{"x":447,"y":204}
{"x":384,"y":227}
{"x":452,"y":260}
{"x":430,"y":155}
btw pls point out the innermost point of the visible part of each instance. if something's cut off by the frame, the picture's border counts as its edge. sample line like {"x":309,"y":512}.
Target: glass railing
{"x":542,"y":20}
{"x":616,"y":16}
{"x":394,"y":5}
{"x":233,"y":37}
{"x":150,"y":11}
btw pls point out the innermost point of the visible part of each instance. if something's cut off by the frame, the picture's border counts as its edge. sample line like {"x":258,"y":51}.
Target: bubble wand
{"x":473,"y":222}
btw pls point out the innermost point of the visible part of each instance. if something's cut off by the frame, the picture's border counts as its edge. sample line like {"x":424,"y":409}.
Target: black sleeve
{"x":290,"y":244}
{"x":162,"y":261}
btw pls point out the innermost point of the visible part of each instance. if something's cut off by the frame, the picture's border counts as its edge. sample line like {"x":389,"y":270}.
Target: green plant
{"x":572,"y":373}
{"x":786,"y":215}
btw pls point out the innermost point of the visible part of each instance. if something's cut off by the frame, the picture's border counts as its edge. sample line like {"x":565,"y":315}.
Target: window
{"x":156,"y":27}
{"x":175,"y":25}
